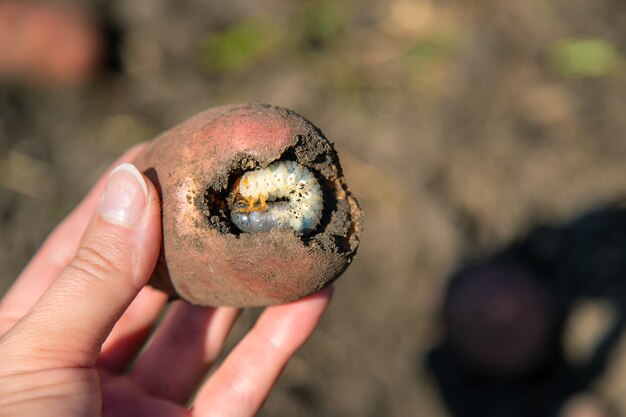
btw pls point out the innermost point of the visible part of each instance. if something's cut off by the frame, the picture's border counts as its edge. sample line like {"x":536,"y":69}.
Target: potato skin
{"x":207,"y":263}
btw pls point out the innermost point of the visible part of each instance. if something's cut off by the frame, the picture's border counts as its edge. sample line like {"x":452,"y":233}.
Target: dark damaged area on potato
{"x":312,"y":151}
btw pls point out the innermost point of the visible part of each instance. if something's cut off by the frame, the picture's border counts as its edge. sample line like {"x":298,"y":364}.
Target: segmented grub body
{"x":283,"y":195}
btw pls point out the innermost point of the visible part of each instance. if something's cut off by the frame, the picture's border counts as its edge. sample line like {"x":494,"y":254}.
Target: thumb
{"x":117,"y":254}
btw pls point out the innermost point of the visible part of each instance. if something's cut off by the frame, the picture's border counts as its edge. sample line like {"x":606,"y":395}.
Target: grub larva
{"x":283,"y":195}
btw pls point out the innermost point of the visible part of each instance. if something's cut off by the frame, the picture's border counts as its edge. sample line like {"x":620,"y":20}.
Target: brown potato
{"x":48,"y":44}
{"x":205,"y":259}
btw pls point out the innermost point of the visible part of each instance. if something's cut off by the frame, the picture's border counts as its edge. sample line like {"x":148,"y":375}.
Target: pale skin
{"x":72,"y":324}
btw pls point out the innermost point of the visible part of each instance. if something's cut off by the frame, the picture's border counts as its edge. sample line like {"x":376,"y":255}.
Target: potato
{"x":205,"y":259}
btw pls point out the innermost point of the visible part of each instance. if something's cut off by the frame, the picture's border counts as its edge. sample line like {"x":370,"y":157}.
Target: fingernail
{"x":125,"y":196}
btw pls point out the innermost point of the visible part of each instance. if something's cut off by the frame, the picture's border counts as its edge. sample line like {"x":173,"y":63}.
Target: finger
{"x":185,"y":346}
{"x":115,"y":259}
{"x":132,"y":330}
{"x":122,"y":398}
{"x":54,"y":255}
{"x":239,"y":387}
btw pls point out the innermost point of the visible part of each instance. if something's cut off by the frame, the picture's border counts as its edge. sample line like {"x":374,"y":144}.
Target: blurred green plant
{"x":585,"y":58}
{"x":429,"y":51}
{"x":238,"y":47}
{"x":320,"y":23}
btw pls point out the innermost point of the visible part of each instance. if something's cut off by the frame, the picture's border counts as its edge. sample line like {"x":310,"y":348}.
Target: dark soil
{"x":461,"y":128}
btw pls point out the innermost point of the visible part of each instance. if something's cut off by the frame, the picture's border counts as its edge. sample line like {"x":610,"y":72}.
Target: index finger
{"x":55,"y":253}
{"x":243,"y":381}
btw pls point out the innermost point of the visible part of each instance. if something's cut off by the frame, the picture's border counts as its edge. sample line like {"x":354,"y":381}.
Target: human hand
{"x":79,"y":313}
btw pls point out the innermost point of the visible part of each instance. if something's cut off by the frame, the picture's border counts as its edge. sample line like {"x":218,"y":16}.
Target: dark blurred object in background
{"x":594,"y":256}
{"x":498,"y":318}
{"x":52,"y":45}
{"x":507,"y":319}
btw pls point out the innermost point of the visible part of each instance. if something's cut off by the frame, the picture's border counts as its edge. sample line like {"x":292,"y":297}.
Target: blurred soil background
{"x":460,"y":126}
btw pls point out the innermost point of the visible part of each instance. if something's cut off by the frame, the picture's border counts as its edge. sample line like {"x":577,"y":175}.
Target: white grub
{"x":283,"y":195}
